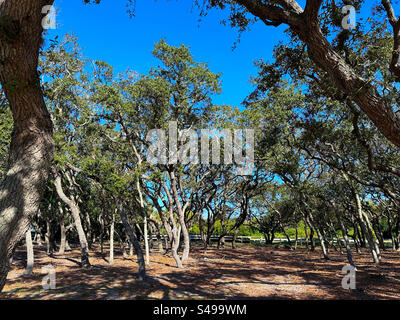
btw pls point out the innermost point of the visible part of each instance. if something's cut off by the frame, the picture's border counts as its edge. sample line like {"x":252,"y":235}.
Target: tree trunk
{"x":287,"y":236}
{"x":202,"y":233}
{"x":305,"y":24}
{"x":63,"y":240}
{"x":366,"y":229}
{"x":167,"y":227}
{"x":111,"y":260}
{"x":145,"y":230}
{"x":234,"y":238}
{"x":38,"y":236}
{"x":379,"y":234}
{"x":221,"y":242}
{"x":29,"y":253}
{"x":31,"y":149}
{"x":89,"y":237}
{"x":75,"y":212}
{"x":175,"y":234}
{"x":175,"y":242}
{"x":101,"y":236}
{"x":63,"y":230}
{"x":346,"y":240}
{"x":181,"y":216}
{"x":306,"y":234}
{"x":312,"y":243}
{"x":320,"y":237}
{"x":135,"y":242}
{"x":146,"y":239}
{"x":49,"y":248}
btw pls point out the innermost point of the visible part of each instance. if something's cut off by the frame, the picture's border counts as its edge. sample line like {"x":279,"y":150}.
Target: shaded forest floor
{"x":248,"y":272}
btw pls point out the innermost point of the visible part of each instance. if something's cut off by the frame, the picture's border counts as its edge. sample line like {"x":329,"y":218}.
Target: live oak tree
{"x":31,"y":149}
{"x":329,"y":164}
{"x":304,"y":137}
{"x":179,"y":90}
{"x":62,"y":65}
{"x":312,"y":26}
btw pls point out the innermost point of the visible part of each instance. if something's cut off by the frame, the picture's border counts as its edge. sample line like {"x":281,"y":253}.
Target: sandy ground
{"x":248,"y":272}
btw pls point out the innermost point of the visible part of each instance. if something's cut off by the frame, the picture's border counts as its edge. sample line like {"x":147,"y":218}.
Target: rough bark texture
{"x":31,"y":149}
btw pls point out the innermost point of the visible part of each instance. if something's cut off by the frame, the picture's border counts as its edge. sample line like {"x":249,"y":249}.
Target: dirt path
{"x":245,"y":273}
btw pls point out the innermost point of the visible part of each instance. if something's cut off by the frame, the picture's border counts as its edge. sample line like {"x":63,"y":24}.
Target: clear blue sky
{"x":106,"y":32}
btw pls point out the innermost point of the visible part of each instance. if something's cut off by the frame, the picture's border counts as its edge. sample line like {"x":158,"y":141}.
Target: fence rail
{"x":260,"y":240}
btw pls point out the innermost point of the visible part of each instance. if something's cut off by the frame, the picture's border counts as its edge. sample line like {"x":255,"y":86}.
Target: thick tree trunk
{"x":75,"y":212}
{"x":29,"y":253}
{"x":31,"y":150}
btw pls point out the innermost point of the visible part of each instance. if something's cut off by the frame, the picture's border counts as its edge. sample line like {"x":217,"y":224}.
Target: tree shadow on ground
{"x":244,"y":273}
